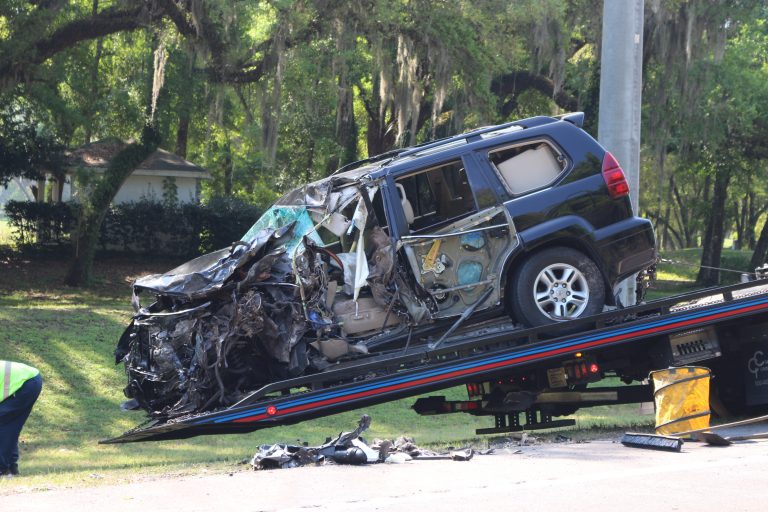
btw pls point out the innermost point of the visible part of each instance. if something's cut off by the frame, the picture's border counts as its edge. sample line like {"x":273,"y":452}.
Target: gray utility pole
{"x":621,"y":79}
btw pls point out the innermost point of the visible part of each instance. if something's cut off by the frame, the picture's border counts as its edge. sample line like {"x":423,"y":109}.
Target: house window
{"x":525,"y":168}
{"x":436,"y":196}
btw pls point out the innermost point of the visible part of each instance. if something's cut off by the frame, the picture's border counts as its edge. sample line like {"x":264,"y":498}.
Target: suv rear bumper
{"x":630,"y":246}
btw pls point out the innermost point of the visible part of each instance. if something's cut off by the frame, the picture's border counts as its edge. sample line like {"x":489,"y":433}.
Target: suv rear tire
{"x":556,"y":285}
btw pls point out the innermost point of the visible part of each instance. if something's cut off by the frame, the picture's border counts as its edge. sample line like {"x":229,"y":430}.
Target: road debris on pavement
{"x":349,"y":448}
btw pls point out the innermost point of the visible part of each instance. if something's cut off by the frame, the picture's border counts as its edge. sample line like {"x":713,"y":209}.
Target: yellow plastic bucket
{"x":681,"y":396}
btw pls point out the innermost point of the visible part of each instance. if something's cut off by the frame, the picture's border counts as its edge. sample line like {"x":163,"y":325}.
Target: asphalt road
{"x":600,"y":475}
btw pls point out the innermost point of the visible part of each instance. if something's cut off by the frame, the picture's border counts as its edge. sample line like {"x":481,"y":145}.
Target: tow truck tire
{"x":556,"y":285}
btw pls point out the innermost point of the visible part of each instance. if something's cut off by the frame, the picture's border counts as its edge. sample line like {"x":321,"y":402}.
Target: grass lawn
{"x":686,"y":265}
{"x":69,"y":334}
{"x":680,"y":275}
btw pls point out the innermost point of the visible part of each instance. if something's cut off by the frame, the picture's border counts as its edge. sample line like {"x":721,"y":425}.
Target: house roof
{"x":97,"y":156}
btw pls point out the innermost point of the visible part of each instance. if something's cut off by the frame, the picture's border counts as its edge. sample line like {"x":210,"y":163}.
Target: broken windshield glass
{"x":278,"y":217}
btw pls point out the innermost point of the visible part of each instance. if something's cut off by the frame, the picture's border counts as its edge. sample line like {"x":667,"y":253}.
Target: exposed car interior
{"x":436,"y":196}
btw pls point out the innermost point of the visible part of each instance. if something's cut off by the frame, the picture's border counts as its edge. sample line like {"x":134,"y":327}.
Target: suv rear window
{"x":527,"y":167}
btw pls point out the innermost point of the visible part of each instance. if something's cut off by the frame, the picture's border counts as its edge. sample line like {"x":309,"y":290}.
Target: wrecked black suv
{"x":529,"y":219}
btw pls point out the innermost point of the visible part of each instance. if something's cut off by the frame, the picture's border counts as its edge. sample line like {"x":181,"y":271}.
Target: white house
{"x":150,"y":179}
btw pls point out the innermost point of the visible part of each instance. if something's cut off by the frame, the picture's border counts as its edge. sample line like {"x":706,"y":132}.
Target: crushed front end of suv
{"x":529,"y":222}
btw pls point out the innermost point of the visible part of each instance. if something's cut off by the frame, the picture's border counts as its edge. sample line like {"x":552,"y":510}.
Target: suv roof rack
{"x":476,"y":134}
{"x":576,"y":118}
{"x":484,"y":132}
{"x":359,"y":163}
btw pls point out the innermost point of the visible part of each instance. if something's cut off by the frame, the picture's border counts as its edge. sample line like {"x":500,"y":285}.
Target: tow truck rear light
{"x":614,"y":177}
{"x":474,"y":390}
{"x":582,"y":370}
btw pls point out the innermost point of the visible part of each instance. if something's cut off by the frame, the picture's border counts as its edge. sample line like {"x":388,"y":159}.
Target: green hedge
{"x":40,"y":223}
{"x":144,"y":227}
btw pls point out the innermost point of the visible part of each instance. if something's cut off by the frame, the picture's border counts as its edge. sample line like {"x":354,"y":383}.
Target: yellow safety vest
{"x":13,"y":376}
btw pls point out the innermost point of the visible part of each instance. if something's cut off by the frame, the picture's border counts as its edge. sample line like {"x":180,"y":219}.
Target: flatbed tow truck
{"x":520,"y":378}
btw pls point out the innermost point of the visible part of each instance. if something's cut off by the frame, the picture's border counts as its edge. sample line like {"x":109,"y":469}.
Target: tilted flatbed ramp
{"x":480,"y":354}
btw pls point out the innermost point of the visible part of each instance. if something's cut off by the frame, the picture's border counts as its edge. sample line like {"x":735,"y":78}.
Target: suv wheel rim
{"x":561,"y":292}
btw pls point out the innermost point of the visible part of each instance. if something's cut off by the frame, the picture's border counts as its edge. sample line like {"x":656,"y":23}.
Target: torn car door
{"x":455,"y":249}
{"x":457,"y":263}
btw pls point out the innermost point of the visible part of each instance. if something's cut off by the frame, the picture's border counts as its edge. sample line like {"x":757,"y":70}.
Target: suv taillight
{"x":614,"y":177}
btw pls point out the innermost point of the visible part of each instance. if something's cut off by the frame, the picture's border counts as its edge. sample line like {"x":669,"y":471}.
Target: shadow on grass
{"x":73,"y":358}
{"x":112,"y":276}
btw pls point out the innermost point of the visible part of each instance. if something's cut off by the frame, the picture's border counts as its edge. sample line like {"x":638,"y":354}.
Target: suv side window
{"x":527,"y":167}
{"x":435,"y":196}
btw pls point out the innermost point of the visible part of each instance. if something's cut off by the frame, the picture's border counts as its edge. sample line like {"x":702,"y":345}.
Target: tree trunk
{"x":379,"y":138}
{"x":90,"y":110}
{"x":228,"y":171}
{"x":182,"y":134}
{"x":683,"y":218}
{"x":310,"y":161}
{"x":95,"y":209}
{"x":270,"y":108}
{"x":738,"y":208}
{"x":668,"y":213}
{"x":346,"y":128}
{"x":662,"y":233}
{"x":758,"y":257}
{"x":745,"y":226}
{"x":185,"y":107}
{"x":754,"y":214}
{"x":715,"y":231}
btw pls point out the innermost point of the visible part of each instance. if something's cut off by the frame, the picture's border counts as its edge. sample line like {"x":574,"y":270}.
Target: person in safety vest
{"x":20,"y":386}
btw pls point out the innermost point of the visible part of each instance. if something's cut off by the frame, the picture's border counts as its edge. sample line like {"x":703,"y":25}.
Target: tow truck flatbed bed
{"x":470,"y":356}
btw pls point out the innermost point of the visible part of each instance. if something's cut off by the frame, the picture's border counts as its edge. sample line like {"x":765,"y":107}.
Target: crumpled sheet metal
{"x":346,"y":448}
{"x":208,"y":273}
{"x":312,"y":194}
{"x":225,"y":324}
{"x":318,"y":193}
{"x":245,"y":335}
{"x":349,"y":448}
{"x":283,"y":456}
